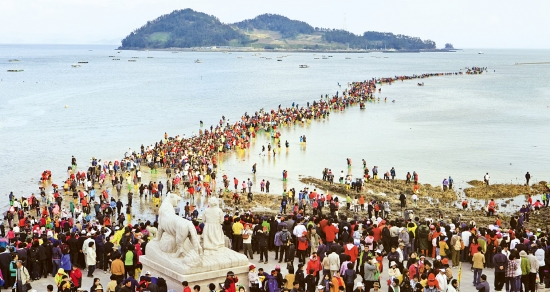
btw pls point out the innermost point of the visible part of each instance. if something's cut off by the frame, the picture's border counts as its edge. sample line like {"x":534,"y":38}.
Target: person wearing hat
{"x":360,"y":287}
{"x":441,"y":279}
{"x":99,"y":288}
{"x":393,"y":271}
{"x":253,"y":279}
{"x":432,"y":285}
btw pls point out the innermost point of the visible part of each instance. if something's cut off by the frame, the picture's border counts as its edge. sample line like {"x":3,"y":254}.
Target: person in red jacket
{"x":230,"y":280}
{"x":302,"y":247}
{"x":330,"y":232}
{"x":76,"y":277}
{"x":186,"y":287}
{"x":315,"y":265}
{"x":351,"y":250}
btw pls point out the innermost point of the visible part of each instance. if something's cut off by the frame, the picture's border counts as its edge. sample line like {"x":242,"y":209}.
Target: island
{"x":192,"y":30}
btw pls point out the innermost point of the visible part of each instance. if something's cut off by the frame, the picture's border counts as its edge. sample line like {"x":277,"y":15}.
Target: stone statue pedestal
{"x":197,"y":270}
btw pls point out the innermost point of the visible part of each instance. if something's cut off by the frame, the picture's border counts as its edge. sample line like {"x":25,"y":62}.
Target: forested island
{"x":191,"y":29}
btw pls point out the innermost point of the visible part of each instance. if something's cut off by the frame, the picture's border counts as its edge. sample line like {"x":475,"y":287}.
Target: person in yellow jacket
{"x":59,"y":276}
{"x":117,"y":237}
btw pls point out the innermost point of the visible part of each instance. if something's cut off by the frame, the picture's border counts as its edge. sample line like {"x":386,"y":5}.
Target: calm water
{"x":462,"y":126}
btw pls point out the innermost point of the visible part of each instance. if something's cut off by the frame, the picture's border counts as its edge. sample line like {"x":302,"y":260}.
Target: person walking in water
{"x":450,"y":183}
{"x":486,"y":179}
{"x":527,"y":178}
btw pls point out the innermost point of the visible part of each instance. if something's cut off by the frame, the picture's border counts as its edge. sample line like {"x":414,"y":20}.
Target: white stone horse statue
{"x":180,"y":230}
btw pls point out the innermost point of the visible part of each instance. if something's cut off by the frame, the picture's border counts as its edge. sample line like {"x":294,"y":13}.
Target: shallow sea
{"x":463,"y":126}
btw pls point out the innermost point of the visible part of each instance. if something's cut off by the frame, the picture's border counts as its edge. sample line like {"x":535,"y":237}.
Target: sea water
{"x":463,"y":126}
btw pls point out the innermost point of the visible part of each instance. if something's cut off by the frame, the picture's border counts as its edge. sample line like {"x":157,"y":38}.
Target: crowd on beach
{"x":82,"y":226}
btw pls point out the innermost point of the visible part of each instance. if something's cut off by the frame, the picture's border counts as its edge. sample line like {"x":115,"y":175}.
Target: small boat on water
{"x":316,"y":58}
{"x":480,"y":53}
{"x":135,"y":57}
{"x":279,"y":60}
{"x":132,"y":60}
{"x":304,"y":66}
{"x":111,"y":56}
{"x":239,"y":57}
{"x":198,"y":61}
{"x":268,"y":58}
{"x":15,"y":70}
{"x":83,"y":62}
{"x":116,"y":59}
{"x":75,"y":66}
{"x":324,"y":58}
{"x":14,"y":60}
{"x":348,"y":58}
{"x":150,"y":57}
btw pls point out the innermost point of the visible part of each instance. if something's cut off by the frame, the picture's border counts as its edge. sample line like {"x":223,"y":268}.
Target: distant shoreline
{"x":252,"y":50}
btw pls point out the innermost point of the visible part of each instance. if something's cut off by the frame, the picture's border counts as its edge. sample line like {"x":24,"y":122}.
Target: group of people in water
{"x":83,"y":223}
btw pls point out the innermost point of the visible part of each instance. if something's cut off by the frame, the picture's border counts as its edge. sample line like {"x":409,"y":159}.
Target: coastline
{"x":434,"y":193}
{"x":261,"y":50}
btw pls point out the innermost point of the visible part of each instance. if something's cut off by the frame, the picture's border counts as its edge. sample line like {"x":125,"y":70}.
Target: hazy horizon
{"x":466,"y":24}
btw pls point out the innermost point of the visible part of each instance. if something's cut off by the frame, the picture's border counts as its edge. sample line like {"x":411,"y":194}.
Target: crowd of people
{"x":84,"y":225}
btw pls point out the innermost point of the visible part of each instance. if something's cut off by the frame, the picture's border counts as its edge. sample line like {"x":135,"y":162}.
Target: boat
{"x":480,"y":53}
{"x":135,"y":57}
{"x":150,"y":57}
{"x":15,"y":70}
{"x":268,"y":58}
{"x":14,"y":60}
{"x":75,"y":66}
{"x":348,"y":58}
{"x":198,"y":61}
{"x":360,"y":57}
{"x":304,"y":66}
{"x":316,"y":58}
{"x":131,"y":60}
{"x":279,"y":60}
{"x":116,"y":59}
{"x":239,"y":57}
{"x":111,"y":56}
{"x":83,"y":62}
{"x":324,"y":58}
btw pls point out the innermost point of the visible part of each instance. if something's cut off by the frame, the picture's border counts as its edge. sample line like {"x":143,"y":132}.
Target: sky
{"x":502,"y":24}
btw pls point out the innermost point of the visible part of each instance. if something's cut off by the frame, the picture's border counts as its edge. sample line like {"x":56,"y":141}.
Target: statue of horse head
{"x":173,"y":199}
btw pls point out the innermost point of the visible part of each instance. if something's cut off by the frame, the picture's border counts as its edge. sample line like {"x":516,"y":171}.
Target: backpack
{"x":284,"y":236}
{"x":33,"y":253}
{"x":423,"y":231}
{"x":273,"y":285}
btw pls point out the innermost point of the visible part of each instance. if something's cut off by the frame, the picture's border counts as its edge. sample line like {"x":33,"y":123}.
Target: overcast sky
{"x":464,"y":23}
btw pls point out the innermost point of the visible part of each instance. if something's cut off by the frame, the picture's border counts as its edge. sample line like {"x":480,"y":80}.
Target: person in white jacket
{"x":442,"y":280}
{"x":253,"y":280}
{"x":539,"y":255}
{"x":453,"y":287}
{"x":334,"y":261}
{"x":91,"y":258}
{"x":393,"y":271}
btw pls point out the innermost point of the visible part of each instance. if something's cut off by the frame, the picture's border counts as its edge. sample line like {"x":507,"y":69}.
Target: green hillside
{"x":190,"y":29}
{"x":184,"y":29}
